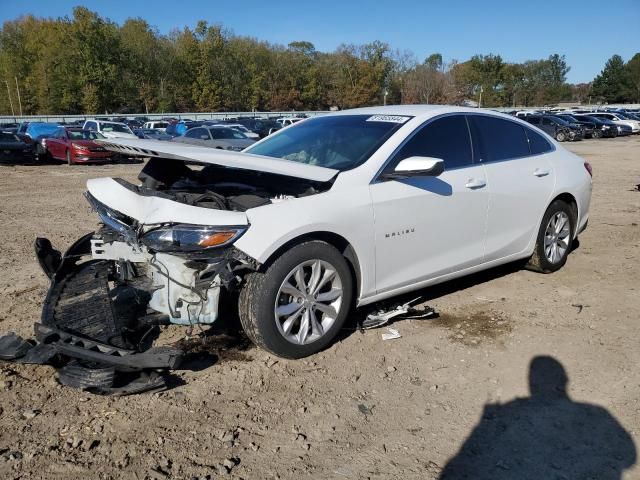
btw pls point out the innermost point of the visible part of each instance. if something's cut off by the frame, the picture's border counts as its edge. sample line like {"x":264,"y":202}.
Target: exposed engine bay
{"x":218,"y":187}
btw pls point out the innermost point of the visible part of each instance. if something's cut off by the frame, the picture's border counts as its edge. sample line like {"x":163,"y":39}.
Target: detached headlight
{"x":190,"y":238}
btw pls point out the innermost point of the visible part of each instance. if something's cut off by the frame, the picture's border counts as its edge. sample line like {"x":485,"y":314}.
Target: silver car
{"x":216,"y":137}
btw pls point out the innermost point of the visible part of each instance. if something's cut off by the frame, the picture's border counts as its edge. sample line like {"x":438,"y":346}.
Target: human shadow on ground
{"x":544,"y":436}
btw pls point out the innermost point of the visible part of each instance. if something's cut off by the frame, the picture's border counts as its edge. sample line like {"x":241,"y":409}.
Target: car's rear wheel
{"x":555,"y":236}
{"x":561,"y":136}
{"x":297,"y":306}
{"x":597,"y":134}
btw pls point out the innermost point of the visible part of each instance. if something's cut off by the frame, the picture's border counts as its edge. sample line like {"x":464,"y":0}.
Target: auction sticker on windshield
{"x":388,"y":118}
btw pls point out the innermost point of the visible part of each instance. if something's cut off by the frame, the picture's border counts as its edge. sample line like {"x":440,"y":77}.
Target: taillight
{"x":587,"y":165}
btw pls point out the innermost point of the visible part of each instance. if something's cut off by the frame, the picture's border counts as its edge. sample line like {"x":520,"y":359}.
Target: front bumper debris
{"x":93,"y":333}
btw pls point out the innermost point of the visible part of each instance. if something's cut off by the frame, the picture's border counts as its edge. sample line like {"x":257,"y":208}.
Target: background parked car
{"x":619,"y":119}
{"x":15,"y":149}
{"x":160,"y":125}
{"x":175,"y":129}
{"x":152,"y":134}
{"x":241,"y":128}
{"x":109,"y":129}
{"x":75,"y":145}
{"x":589,"y":128}
{"x":285,"y":122}
{"x":38,"y":133}
{"x":260,"y":126}
{"x":606,"y":127}
{"x":556,"y":127}
{"x":216,"y":137}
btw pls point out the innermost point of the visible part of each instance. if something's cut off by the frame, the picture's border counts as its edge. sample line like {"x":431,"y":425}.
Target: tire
{"x":596,"y":134}
{"x":543,"y":259}
{"x":561,"y":136}
{"x":68,"y":156}
{"x":262,"y":297}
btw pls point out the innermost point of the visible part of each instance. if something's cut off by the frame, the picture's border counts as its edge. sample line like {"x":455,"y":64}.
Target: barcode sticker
{"x":388,"y":118}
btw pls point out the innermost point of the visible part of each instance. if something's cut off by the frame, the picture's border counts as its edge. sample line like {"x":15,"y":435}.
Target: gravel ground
{"x":451,"y":397}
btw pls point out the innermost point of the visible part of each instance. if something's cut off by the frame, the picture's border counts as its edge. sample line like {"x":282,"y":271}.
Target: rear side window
{"x":497,"y":139}
{"x":446,"y":138}
{"x":533,"y":120}
{"x":537,"y":143}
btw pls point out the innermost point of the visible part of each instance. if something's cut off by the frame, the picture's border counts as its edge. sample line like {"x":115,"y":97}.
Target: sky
{"x":587,"y":32}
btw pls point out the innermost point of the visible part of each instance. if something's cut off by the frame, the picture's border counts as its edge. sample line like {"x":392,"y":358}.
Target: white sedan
{"x":337,"y":212}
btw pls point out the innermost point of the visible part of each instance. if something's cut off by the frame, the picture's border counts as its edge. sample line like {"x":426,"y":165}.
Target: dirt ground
{"x":450,"y":397}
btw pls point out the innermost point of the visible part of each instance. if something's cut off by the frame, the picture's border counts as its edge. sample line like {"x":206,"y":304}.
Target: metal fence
{"x":228,"y":115}
{"x":156,"y":116}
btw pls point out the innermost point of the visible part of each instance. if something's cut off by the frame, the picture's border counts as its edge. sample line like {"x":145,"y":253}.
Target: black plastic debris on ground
{"x":91,"y":331}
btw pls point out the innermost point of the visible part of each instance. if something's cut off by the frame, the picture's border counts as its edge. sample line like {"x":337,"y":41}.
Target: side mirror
{"x":416,"y":167}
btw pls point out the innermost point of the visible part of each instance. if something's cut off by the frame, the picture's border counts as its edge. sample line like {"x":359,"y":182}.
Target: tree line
{"x":88,"y":64}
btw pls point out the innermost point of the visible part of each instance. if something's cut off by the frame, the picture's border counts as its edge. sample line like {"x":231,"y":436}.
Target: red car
{"x":75,"y":145}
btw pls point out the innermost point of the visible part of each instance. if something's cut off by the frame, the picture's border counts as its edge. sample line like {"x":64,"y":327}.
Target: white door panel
{"x":429,"y":226}
{"x":519,"y":192}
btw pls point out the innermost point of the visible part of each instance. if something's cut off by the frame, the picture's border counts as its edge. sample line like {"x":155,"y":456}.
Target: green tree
{"x":612,"y":84}
{"x":633,"y":71}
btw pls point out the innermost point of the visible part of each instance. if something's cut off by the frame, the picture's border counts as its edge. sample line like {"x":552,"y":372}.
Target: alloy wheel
{"x":308,"y":301}
{"x":557,"y":237}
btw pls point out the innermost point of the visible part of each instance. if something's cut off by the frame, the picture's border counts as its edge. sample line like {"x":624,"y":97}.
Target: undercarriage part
{"x":80,"y":303}
{"x":122,"y":359}
{"x":405,"y":311}
{"x":89,"y":327}
{"x":13,"y":346}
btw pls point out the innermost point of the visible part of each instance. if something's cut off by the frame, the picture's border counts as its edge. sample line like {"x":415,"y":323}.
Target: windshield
{"x":341,"y":142}
{"x":84,"y":135}
{"x":115,"y":127}
{"x":219,"y":133}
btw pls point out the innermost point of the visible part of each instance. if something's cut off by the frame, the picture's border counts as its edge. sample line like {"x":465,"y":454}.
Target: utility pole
{"x":18,"y":90}
{"x":386,"y":92}
{"x":10,"y":101}
{"x":480,"y":100}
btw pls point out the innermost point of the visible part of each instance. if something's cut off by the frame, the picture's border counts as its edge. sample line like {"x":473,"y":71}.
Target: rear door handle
{"x":538,"y":172}
{"x":475,"y":183}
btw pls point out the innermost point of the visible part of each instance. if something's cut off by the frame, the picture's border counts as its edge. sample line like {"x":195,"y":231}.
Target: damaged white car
{"x":332,"y":212}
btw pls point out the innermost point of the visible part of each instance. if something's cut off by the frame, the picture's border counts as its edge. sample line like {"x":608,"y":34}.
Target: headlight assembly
{"x":190,"y":238}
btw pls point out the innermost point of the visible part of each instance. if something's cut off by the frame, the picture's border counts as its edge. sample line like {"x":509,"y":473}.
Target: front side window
{"x":446,"y":138}
{"x":341,"y":142}
{"x":496,"y":139}
{"x":533,"y":120}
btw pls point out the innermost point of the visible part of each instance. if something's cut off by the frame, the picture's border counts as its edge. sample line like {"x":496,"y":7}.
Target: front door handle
{"x":475,"y":183}
{"x":538,"y":172}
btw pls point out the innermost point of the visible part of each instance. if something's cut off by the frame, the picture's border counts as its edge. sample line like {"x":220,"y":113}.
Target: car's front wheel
{"x":555,"y":236}
{"x":561,"y":136}
{"x":297,"y":306}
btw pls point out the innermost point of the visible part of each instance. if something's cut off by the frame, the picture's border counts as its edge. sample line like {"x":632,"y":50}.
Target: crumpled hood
{"x":152,"y":210}
{"x":195,"y":153}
